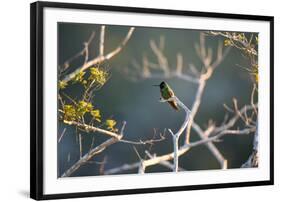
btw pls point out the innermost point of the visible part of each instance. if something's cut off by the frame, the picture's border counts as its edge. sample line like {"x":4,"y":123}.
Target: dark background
{"x":137,"y":101}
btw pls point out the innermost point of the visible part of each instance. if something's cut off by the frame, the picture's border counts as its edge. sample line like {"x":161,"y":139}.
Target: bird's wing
{"x":171,"y":93}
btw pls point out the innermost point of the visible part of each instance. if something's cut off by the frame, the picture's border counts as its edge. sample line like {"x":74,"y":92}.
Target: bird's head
{"x":162,"y":85}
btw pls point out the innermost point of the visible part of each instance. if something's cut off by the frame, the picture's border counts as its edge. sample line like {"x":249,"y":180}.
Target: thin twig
{"x":102,"y":33}
{"x":80,"y":145}
{"x":253,"y":159}
{"x":252,"y":98}
{"x":62,"y":134}
{"x":141,"y":165}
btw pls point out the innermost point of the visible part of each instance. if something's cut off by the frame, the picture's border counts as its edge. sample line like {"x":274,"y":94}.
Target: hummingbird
{"x":166,"y":93}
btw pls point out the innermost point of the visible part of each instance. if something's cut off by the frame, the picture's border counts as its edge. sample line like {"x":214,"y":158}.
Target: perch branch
{"x":176,"y":136}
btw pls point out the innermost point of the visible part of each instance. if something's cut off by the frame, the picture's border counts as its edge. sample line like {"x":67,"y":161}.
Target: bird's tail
{"x":174,"y":105}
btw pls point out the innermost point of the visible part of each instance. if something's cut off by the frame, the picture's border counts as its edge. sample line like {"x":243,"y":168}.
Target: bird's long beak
{"x":155,"y":85}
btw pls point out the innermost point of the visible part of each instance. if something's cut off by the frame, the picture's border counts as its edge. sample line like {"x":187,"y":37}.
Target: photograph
{"x":134,"y":100}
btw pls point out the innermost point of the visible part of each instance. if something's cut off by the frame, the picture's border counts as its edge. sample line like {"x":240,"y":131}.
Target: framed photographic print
{"x":134,"y":100}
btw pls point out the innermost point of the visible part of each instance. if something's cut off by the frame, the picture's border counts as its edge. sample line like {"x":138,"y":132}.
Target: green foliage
{"x":62,"y":84}
{"x":241,"y":37}
{"x":84,"y":82}
{"x":96,"y":115}
{"x":227,"y":42}
{"x":110,"y":124}
{"x":83,"y":107}
{"x":255,"y":72}
{"x":69,"y":112}
{"x":98,"y":75}
{"x":77,"y":111}
{"x":79,"y":77}
{"x":96,"y":79}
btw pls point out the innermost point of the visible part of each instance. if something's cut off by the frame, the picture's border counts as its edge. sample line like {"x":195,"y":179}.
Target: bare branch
{"x":195,"y":108}
{"x":230,"y":123}
{"x":100,"y":58}
{"x":185,"y":108}
{"x":164,"y":163}
{"x":143,"y":142}
{"x":161,"y":43}
{"x":172,"y":74}
{"x":176,"y":136}
{"x":90,"y":154}
{"x":176,"y":150}
{"x":115,"y":138}
{"x":253,"y":160}
{"x":120,"y":47}
{"x":122,"y":168}
{"x":222,"y":161}
{"x":225,"y":132}
{"x":80,"y":146}
{"x":162,"y":60}
{"x":102,"y":32}
{"x":162,"y":65}
{"x":62,"y":134}
{"x":84,"y":51}
{"x":92,"y":128}
{"x":252,"y":98}
{"x":141,"y":165}
{"x":179,"y":63}
{"x":123,"y":127}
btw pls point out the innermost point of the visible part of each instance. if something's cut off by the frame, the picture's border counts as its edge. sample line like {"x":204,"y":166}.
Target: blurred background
{"x":137,"y":102}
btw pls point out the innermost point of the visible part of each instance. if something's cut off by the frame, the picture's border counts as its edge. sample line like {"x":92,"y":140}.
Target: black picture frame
{"x":36,"y":99}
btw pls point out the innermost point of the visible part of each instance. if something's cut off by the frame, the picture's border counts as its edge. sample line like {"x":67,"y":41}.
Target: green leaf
{"x":83,"y":107}
{"x":96,"y":115}
{"x":69,"y":112}
{"x":62,"y":84}
{"x":99,"y":75}
{"x":227,"y":42}
{"x":79,"y":77}
{"x":110,"y":123}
